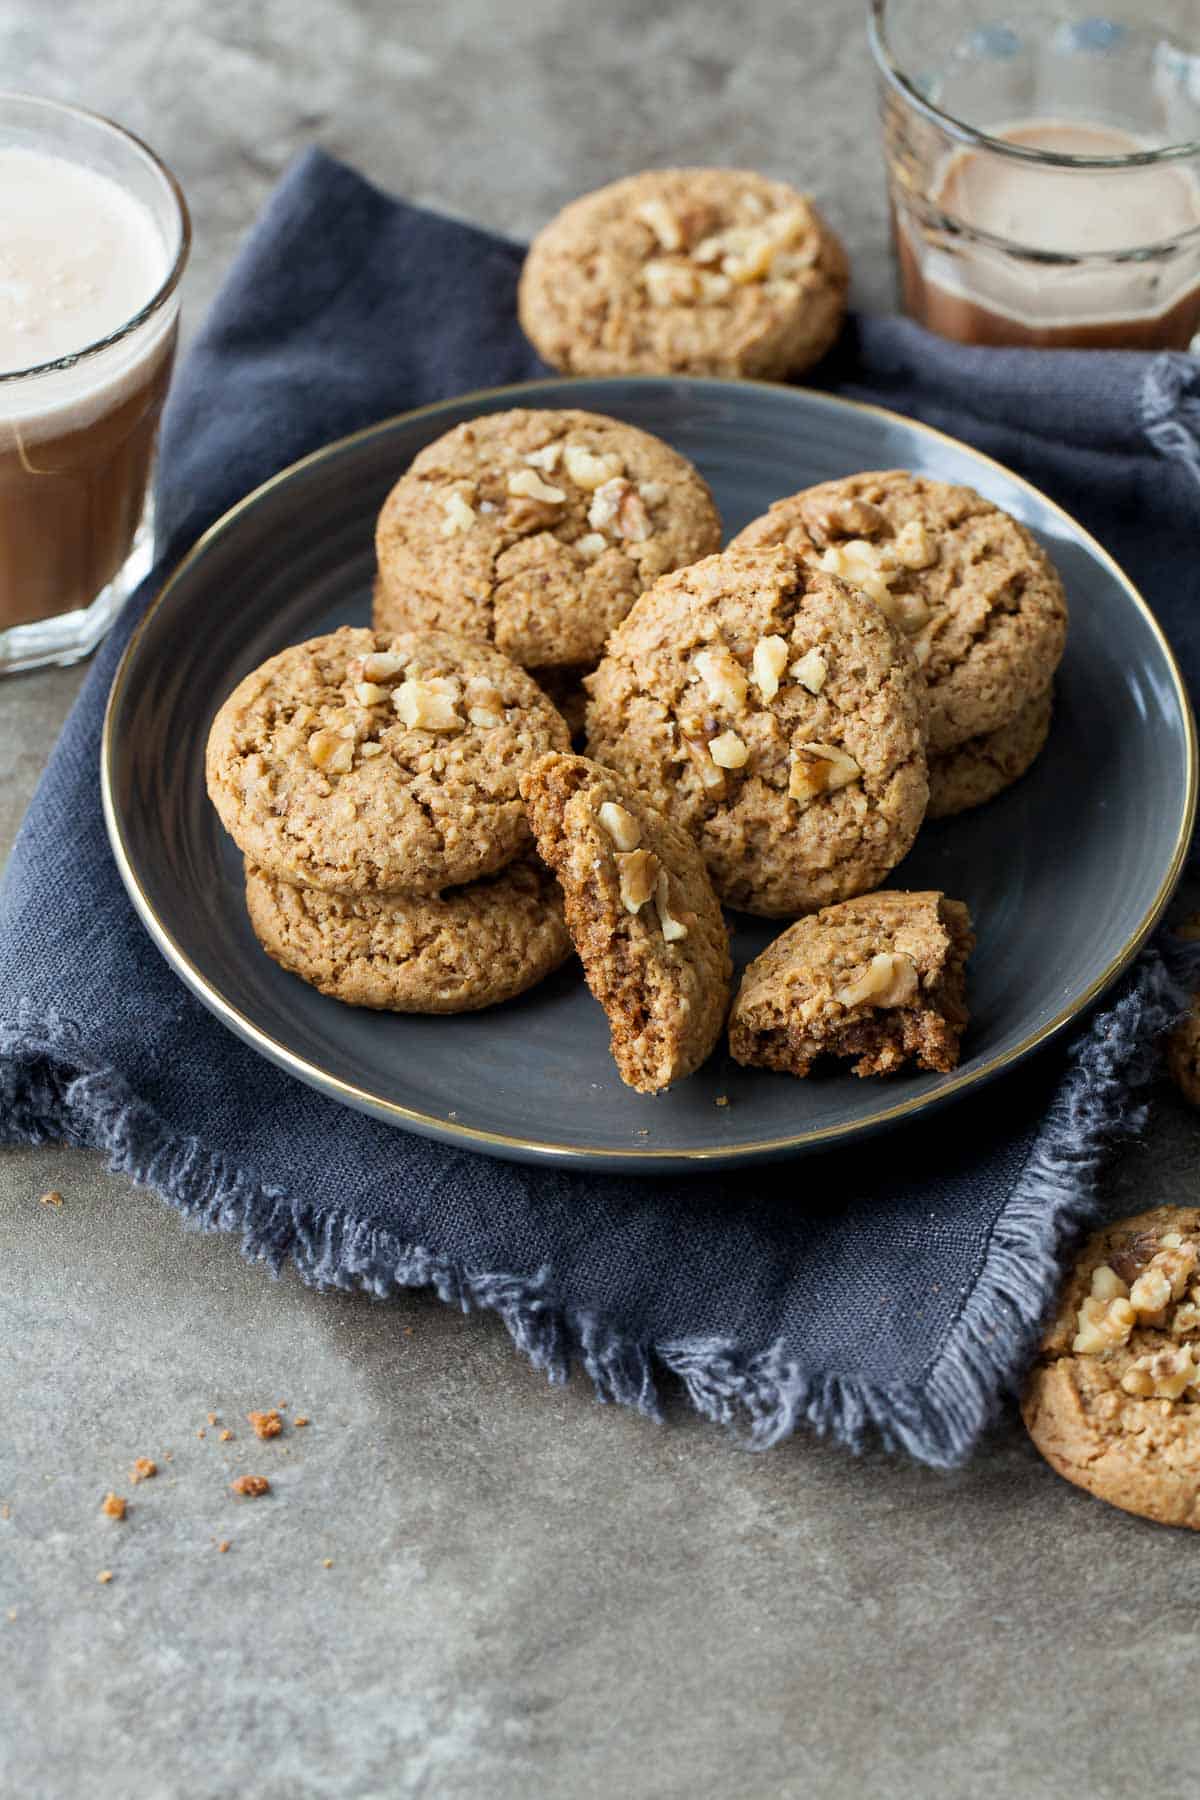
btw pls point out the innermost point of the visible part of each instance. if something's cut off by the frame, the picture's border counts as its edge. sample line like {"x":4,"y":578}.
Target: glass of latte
{"x":1044,"y":169}
{"x":94,"y":236}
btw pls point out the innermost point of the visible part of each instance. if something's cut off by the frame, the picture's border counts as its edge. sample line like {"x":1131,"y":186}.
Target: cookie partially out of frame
{"x":685,"y":271}
{"x":641,"y":913}
{"x":969,"y":585}
{"x":879,"y":980}
{"x":468,"y":948}
{"x":362,"y":764}
{"x":1113,"y":1400}
{"x":536,"y":530}
{"x":775,"y":714}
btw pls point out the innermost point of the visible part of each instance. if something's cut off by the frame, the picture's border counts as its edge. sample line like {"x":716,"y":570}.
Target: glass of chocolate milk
{"x":94,"y":236}
{"x":1044,"y":170}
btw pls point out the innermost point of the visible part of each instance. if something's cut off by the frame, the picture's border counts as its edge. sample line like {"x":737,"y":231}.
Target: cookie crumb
{"x":328,"y":1563}
{"x":5,"y":1511}
{"x":12,"y":1615}
{"x":224,"y":1545}
{"x":201,"y":1432}
{"x":104,"y":1577}
{"x":212,"y":1418}
{"x":113,"y":1505}
{"x":408,"y":1331}
{"x":251,"y":1486}
{"x":51,"y":1198}
{"x":226,"y":1435}
{"x":266,"y":1424}
{"x":300,"y":1419}
{"x":722,"y":1100}
{"x":143,"y":1469}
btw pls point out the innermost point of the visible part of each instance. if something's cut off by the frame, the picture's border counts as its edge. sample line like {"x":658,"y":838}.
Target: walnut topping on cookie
{"x":700,"y":271}
{"x":1113,"y":1402}
{"x":411,"y":794}
{"x":571,"y":516}
{"x":879,"y":979}
{"x":967,"y":583}
{"x":775,"y":714}
{"x":662,"y":970}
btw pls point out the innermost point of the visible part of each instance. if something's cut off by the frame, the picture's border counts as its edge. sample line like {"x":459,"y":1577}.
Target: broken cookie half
{"x":879,"y":979}
{"x":642,"y":913}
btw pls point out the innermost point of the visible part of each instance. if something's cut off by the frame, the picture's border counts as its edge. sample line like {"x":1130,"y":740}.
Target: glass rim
{"x":892,"y":72}
{"x":170,"y":281}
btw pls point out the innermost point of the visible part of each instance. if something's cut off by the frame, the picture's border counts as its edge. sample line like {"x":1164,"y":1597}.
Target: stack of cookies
{"x":372,"y":786}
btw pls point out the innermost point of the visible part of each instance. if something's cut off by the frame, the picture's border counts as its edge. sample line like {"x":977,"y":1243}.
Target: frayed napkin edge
{"x":47,"y":1094}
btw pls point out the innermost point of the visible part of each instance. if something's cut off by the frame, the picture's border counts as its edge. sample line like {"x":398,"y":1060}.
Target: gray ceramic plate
{"x":1065,"y":874}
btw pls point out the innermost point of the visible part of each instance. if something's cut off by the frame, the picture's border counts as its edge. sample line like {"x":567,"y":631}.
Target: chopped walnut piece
{"x":113,"y":1505}
{"x":253,"y":1487}
{"x":723,"y":676}
{"x":459,"y":515}
{"x":820,"y":769}
{"x":485,"y":706}
{"x":673,"y":929}
{"x":810,"y":670}
{"x":1102,"y":1325}
{"x":1107,"y":1284}
{"x":1150,"y":1293}
{"x":51,"y":1198}
{"x":633,"y":521}
{"x":1165,"y":1374}
{"x":768,"y":663}
{"x":266,"y":1424}
{"x":671,"y":284}
{"x":1185,"y":1318}
{"x":428,"y":705}
{"x":369,"y":693}
{"x":889,"y":979}
{"x":331,"y":752}
{"x":620,"y":825}
{"x":728,"y":751}
{"x":591,"y":545}
{"x":913,"y":547}
{"x":527,"y":484}
{"x":863,"y":565}
{"x":653,"y":492}
{"x":637,"y":876}
{"x":606,"y":503}
{"x":696,"y":747}
{"x":662,"y":222}
{"x":383,"y":665}
{"x":370,"y":749}
{"x":143,"y":1469}
{"x":546,"y":459}
{"x":591,"y":469}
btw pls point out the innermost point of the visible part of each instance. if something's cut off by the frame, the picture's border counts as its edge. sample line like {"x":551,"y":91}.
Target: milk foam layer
{"x":79,"y":257}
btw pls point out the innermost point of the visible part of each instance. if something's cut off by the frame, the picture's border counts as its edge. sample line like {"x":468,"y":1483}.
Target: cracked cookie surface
{"x":970,"y":586}
{"x":536,"y":530}
{"x":468,"y":948}
{"x":879,"y":979}
{"x":1113,"y":1400}
{"x":685,"y":271}
{"x":984,"y":766}
{"x":359,"y":763}
{"x":641,"y":913}
{"x":774,"y":713}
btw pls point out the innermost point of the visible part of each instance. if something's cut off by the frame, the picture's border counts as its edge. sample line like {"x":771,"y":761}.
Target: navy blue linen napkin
{"x":897,"y":1286}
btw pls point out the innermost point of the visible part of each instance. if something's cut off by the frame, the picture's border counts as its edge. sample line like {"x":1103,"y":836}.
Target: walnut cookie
{"x":1113,"y":1402}
{"x":985,"y":766}
{"x":468,"y":948}
{"x":970,"y":586}
{"x":685,"y":271}
{"x":879,"y":979}
{"x":774,"y":713}
{"x":536,"y":531}
{"x":642,"y":914}
{"x":359,"y":764}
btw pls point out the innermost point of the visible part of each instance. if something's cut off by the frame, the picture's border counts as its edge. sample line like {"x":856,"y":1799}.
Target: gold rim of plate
{"x":447,"y":1129}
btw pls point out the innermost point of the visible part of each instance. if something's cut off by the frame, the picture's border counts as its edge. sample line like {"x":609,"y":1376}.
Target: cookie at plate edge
{"x":355,"y":763}
{"x":468,"y":948}
{"x":974,"y":773}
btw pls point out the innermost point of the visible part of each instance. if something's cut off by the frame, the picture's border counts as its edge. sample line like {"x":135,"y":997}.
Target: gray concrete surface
{"x":527,"y":1594}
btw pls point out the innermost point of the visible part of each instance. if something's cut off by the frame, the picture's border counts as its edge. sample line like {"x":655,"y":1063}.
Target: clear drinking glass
{"x":1043,"y":170}
{"x":77,"y":433}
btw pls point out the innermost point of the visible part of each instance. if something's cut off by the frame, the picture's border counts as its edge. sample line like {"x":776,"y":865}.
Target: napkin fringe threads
{"x":46,"y":1095}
